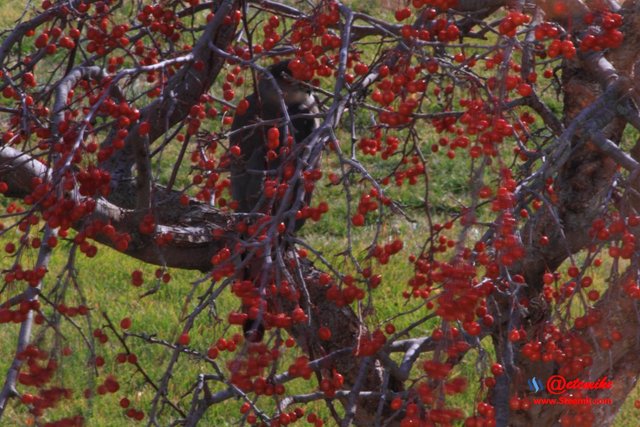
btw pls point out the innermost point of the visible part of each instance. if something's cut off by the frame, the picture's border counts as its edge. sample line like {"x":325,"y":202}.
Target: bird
{"x":255,"y":162}
{"x":250,"y":168}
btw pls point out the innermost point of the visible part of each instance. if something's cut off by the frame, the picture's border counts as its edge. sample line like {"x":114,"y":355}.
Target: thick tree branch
{"x":192,"y":227}
{"x":181,"y":92}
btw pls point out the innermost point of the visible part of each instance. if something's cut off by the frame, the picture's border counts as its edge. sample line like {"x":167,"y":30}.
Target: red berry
{"x":184,"y":339}
{"x":324,"y":333}
{"x":144,"y":128}
{"x":125,"y":323}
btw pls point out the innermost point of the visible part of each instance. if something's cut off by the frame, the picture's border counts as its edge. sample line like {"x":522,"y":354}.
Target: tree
{"x":115,"y":128}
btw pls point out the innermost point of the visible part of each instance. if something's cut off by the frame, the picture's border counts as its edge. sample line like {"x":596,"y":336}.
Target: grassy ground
{"x":105,"y":281}
{"x":11,"y":11}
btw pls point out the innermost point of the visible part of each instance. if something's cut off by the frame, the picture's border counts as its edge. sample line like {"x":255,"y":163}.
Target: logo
{"x":535,"y":385}
{"x":557,"y":384}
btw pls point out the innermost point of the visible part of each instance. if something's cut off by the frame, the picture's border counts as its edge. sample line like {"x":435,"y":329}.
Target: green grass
{"x":11,"y":12}
{"x":105,"y":281}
